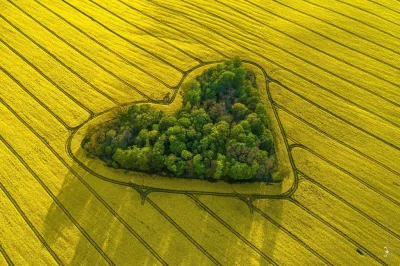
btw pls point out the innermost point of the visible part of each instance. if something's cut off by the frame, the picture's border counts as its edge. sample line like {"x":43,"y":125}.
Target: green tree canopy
{"x":220,"y":132}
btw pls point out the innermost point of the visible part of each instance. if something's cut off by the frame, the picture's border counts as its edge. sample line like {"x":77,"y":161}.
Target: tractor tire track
{"x":129,"y":62}
{"x":139,"y":191}
{"x":97,"y":196}
{"x":81,"y":53}
{"x":34,"y":97}
{"x":90,"y":112}
{"x":321,"y":35}
{"x":307,"y":45}
{"x":352,"y":18}
{"x":125,"y":39}
{"x":251,"y":197}
{"x":5,"y":255}
{"x":29,"y":223}
{"x":340,"y":28}
{"x":292,"y":72}
{"x":293,"y":236}
{"x":148,"y":33}
{"x":366,"y":251}
{"x":337,"y":166}
{"x":242,"y":29}
{"x":374,"y":14}
{"x":231,"y":229}
{"x":182,"y":231}
{"x":277,"y":64}
{"x":59,"y":61}
{"x":176,"y":29}
{"x":382,"y":5}
{"x":59,"y":204}
{"x":356,"y":209}
{"x":300,"y":146}
{"x":280,"y":107}
{"x":336,"y":116}
{"x":269,"y":96}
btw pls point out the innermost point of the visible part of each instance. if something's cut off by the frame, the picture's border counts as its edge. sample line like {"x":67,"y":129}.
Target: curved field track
{"x":333,"y":78}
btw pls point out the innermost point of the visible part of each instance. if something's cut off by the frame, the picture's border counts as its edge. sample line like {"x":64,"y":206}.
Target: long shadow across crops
{"x":248,"y":199}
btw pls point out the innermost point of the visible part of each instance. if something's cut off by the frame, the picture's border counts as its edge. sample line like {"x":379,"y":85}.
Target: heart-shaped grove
{"x":220,"y":127}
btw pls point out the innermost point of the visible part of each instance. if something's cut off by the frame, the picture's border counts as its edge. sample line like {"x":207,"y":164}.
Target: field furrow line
{"x":125,"y":39}
{"x":172,"y":246}
{"x":320,"y":34}
{"x":5,"y":255}
{"x":371,"y":25}
{"x":340,"y":100}
{"x":243,"y":29}
{"x":239,"y":214}
{"x":382,"y":5}
{"x":35,"y":98}
{"x":14,"y":114}
{"x":59,"y":204}
{"x":281,"y":128}
{"x":373,"y":13}
{"x":255,"y":52}
{"x":394,"y":234}
{"x":81,"y":53}
{"x":370,"y":254}
{"x":337,"y":166}
{"x":280,"y":107}
{"x":22,"y":214}
{"x":230,"y":228}
{"x":326,"y":241}
{"x":61,"y":63}
{"x":147,"y":32}
{"x":175,"y":28}
{"x":197,"y":224}
{"x":48,"y":79}
{"x":263,"y":214}
{"x":107,"y":48}
{"x":301,"y":146}
{"x":334,"y":195}
{"x":90,"y":214}
{"x":356,"y":138}
{"x":148,"y":191}
{"x":307,"y":44}
{"x":323,"y":146}
{"x":332,"y":178}
{"x":145,"y":191}
{"x":334,"y":32}
{"x":338,"y":117}
{"x":346,"y":220}
{"x":345,"y":30}
{"x":352,"y":18}
{"x":104,"y":203}
{"x":91,"y":15}
{"x":182,"y":231}
{"x":335,"y":106}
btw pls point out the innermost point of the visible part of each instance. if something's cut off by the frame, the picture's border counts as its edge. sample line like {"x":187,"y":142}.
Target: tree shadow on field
{"x":95,"y":226}
{"x":252,"y":237}
{"x":259,"y":226}
{"x":106,"y":232}
{"x":264,"y":225}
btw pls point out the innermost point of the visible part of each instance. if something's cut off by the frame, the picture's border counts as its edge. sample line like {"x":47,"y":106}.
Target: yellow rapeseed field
{"x":329,"y":72}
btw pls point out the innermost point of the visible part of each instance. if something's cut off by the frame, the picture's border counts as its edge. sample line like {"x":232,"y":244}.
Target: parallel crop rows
{"x":332,"y":78}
